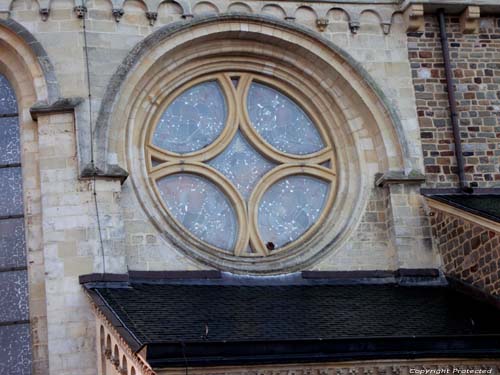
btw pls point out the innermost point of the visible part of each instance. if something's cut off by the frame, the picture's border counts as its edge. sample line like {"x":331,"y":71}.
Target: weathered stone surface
{"x":403,"y":71}
{"x":470,"y":252}
{"x":475,"y":73}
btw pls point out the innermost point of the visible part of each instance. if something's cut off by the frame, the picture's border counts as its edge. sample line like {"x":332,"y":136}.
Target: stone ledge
{"x":453,"y":6}
{"x":462,"y":214}
{"x":469,"y":20}
{"x":398,"y":177}
{"x":61,"y":105}
{"x":113,"y":171}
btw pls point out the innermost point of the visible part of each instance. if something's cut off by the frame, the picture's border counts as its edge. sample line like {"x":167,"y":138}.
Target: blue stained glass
{"x":241,"y":164}
{"x":281,"y":122}
{"x":14,"y":296}
{"x":290,"y":207}
{"x":15,"y":349}
{"x":8,"y":103}
{"x":10,"y":151}
{"x":12,"y":243}
{"x":201,"y":207}
{"x":11,"y":191}
{"x":193,"y":120}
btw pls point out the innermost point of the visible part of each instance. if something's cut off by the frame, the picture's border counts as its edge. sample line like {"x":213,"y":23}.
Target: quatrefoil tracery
{"x":263,"y":120}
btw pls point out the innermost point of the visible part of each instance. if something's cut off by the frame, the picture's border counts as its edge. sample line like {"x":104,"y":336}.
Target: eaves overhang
{"x":201,"y":323}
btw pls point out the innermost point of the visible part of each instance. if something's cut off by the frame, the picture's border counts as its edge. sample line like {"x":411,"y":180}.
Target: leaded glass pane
{"x":241,"y":164}
{"x":201,"y":207}
{"x":14,"y":296}
{"x":289,"y":208}
{"x":12,"y":243}
{"x":8,"y":102}
{"x":15,"y":350}
{"x":193,"y":120}
{"x":11,"y":193}
{"x":9,"y":141}
{"x":281,"y":122}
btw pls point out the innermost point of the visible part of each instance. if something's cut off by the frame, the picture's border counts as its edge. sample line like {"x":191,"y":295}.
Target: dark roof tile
{"x":162,"y":313}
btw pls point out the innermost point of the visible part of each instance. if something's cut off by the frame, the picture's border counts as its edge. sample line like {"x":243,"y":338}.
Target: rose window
{"x":242,"y":164}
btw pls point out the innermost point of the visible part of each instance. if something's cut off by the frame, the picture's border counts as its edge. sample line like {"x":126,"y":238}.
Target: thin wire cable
{"x":186,"y":365}
{"x":92,"y":163}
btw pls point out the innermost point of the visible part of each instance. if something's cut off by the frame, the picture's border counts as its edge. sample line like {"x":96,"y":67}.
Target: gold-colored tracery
{"x":320,"y":164}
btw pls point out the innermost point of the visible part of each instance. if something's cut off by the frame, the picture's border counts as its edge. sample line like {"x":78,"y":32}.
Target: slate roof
{"x":483,"y":205}
{"x":360,"y":318}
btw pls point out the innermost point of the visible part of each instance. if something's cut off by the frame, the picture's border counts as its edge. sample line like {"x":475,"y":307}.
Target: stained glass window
{"x":14,"y":296}
{"x":11,"y":192}
{"x":241,"y":164}
{"x":201,"y":207}
{"x":193,"y":120}
{"x":15,"y":349}
{"x":281,"y":122}
{"x":8,"y":103}
{"x":290,"y":207}
{"x":9,"y":140}
{"x":12,"y":243}
{"x":269,"y":152}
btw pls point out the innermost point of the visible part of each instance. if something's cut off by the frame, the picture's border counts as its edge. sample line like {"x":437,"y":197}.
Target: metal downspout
{"x":453,"y":103}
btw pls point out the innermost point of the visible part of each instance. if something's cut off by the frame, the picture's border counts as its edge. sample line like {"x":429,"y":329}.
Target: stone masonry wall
{"x":68,"y":226}
{"x":476,"y":69}
{"x":71,"y":244}
{"x":469,"y":251}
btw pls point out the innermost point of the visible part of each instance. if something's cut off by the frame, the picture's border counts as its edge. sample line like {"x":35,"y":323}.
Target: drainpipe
{"x":453,"y":103}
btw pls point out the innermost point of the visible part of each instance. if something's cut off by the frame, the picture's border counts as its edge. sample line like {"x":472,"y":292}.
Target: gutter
{"x":238,"y":353}
{"x":452,"y":103}
{"x":455,"y":5}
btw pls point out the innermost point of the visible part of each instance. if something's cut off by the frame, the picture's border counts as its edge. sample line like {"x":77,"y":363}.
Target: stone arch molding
{"x":367,"y":134}
{"x":27,"y":65}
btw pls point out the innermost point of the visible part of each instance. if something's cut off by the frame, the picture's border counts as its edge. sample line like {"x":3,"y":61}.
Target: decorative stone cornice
{"x":152,"y":17}
{"x":112,"y":171}
{"x":492,"y":4}
{"x":80,"y":11}
{"x":462,"y":214}
{"x":141,"y":366}
{"x":322,"y":23}
{"x":61,"y":105}
{"x":469,"y":20}
{"x":44,"y":13}
{"x":117,"y":13}
{"x":354,"y":26}
{"x":414,"y":17}
{"x":386,"y":27}
{"x":399,"y":177}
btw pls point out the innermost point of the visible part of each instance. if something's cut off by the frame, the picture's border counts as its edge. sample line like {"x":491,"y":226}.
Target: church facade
{"x":191,"y":152}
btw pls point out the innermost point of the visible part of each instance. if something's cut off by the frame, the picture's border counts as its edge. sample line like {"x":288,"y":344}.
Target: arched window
{"x":13,"y":263}
{"x":241,"y":163}
{"x":116,"y":357}
{"x":107,"y":352}
{"x":124,"y":369}
{"x":251,"y":145}
{"x":102,"y":343}
{"x":12,"y":245}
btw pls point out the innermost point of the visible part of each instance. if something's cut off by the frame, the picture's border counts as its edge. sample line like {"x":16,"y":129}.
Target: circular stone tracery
{"x":241,"y":166}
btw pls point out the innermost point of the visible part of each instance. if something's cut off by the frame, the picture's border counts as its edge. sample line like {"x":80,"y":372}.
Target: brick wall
{"x":469,"y":251}
{"x":476,"y":68}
